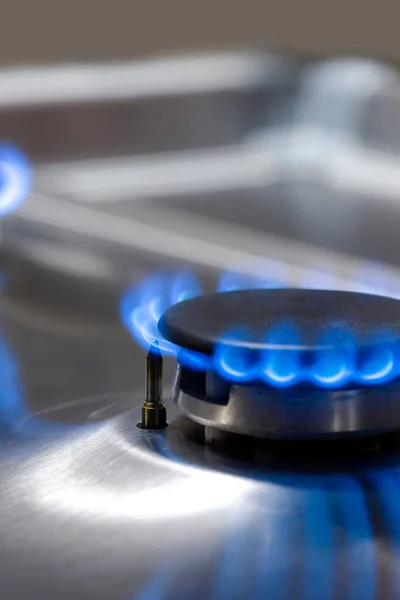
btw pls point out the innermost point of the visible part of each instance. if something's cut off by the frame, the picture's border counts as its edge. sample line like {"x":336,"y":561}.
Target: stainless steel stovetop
{"x":139,"y":167}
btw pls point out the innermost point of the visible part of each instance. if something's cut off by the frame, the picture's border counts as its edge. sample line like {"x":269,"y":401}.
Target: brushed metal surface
{"x":109,"y":511}
{"x":94,"y":507}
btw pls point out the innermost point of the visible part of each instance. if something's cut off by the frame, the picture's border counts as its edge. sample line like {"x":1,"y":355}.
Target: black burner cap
{"x":199,"y":323}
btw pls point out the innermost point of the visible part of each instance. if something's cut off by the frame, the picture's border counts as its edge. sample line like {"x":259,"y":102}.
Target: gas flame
{"x":335,"y":361}
{"x":142,"y":306}
{"x":15,"y":178}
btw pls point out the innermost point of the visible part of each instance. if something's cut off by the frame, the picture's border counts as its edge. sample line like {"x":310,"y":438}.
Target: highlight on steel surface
{"x":15,"y":178}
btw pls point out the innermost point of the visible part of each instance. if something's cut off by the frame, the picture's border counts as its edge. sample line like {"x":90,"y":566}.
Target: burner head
{"x":287,"y":363}
{"x":200,"y":323}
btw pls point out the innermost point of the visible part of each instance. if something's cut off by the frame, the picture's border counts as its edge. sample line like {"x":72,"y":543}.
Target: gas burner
{"x":302,"y":364}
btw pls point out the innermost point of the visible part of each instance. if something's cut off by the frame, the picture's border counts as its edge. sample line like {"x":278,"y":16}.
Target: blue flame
{"x":196,"y":361}
{"x":232,"y":361}
{"x":382,"y":362}
{"x":278,"y":368}
{"x":334,"y":364}
{"x":336,"y":361}
{"x":15,"y":179}
{"x":142,"y":306}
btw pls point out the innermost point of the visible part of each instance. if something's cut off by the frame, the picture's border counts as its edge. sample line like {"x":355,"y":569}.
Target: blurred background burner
{"x":287,"y":363}
{"x":213,"y":160}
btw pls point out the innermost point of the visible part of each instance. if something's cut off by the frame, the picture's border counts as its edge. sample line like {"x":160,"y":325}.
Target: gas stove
{"x":271,"y":469}
{"x":272,"y":472}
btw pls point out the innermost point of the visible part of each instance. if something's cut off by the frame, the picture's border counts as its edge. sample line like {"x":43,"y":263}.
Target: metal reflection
{"x":318,"y":541}
{"x":159,"y":586}
{"x":310,"y":538}
{"x":359,"y":555}
{"x":382,"y":489}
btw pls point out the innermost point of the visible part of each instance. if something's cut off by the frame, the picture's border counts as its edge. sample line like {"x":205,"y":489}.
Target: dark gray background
{"x":55,"y":30}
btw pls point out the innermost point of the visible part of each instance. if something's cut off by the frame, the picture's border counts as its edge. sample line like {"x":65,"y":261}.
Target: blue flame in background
{"x":15,"y":178}
{"x":336,"y":362}
{"x":13,"y":410}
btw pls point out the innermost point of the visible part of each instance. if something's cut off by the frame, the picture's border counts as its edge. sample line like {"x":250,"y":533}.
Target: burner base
{"x":285,"y":414}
